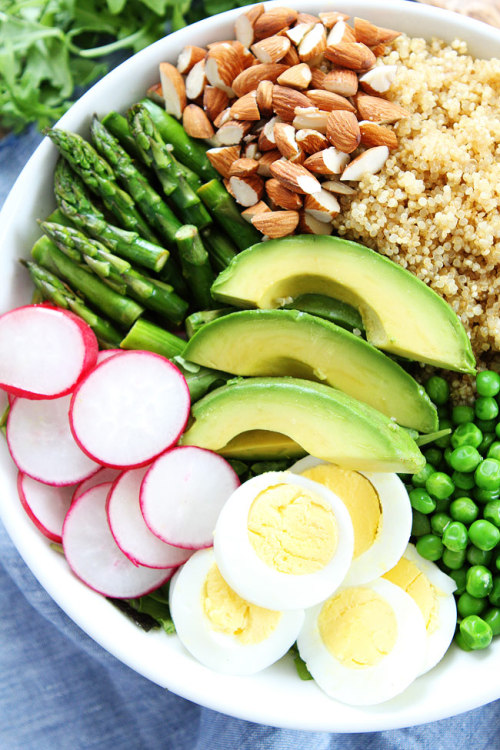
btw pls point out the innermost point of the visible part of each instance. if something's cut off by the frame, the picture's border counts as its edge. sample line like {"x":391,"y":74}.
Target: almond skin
{"x":222,"y":158}
{"x":245,"y":108}
{"x":286,"y":99}
{"x":265,"y":98}
{"x":281,"y":196}
{"x":272,"y":49}
{"x":243,"y":167}
{"x":276,"y":224}
{"x":251,"y":211}
{"x":295,"y":177}
{"x":311,"y":140}
{"x":173,"y":89}
{"x":266,"y":160}
{"x":373,"y":134}
{"x":223,"y":64}
{"x":376,"y":109}
{"x":292,"y":57}
{"x":317,"y":78}
{"x":371,"y":35}
{"x":196,"y":123}
{"x":243,"y":28}
{"x":284,"y":135}
{"x":249,"y":79}
{"x":329,"y":101}
{"x":247,"y":191}
{"x":342,"y":130}
{"x":273,"y":21}
{"x":330,"y":18}
{"x":313,"y":44}
{"x":309,"y":225}
{"x":188,"y":57}
{"x":352,"y":55}
{"x":342,"y":81}
{"x":214,"y":101}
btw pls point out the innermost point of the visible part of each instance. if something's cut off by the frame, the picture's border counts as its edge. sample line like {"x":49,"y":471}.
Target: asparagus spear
{"x":223,"y":208}
{"x":198,"y":319}
{"x":75,"y":204}
{"x":195,"y":265}
{"x":121,"y":310}
{"x":99,"y":177}
{"x":54,"y":290}
{"x":153,"y":294}
{"x":220,"y":247}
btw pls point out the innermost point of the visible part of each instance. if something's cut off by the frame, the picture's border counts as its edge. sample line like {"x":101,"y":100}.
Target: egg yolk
{"x":358,"y":627}
{"x":410,"y":578}
{"x":358,"y":495}
{"x":230,"y":614}
{"x":292,"y":530}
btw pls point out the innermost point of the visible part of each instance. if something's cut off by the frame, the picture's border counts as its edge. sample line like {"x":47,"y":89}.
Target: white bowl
{"x":276,"y":696}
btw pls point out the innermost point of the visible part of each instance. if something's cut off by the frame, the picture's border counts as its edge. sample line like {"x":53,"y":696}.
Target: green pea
{"x":420,"y":478}
{"x":434,"y":456}
{"x":438,"y":390}
{"x":442,"y":505}
{"x":459,"y":640}
{"x":492,"y":617}
{"x":491,"y":512}
{"x":439,"y":521}
{"x":479,"y":581}
{"x":454,"y":559}
{"x":497,"y":430}
{"x":455,"y":536}
{"x":422,"y":501}
{"x":485,"y":496}
{"x":462,"y":414}
{"x":476,"y":633}
{"x":420,"y":524}
{"x":465,"y":458}
{"x":494,"y":450}
{"x":447,"y":455}
{"x":476,"y":556}
{"x":487,"y":426}
{"x":484,"y":534}
{"x":487,"y":440}
{"x":488,"y":383}
{"x":466,"y":434}
{"x":430,"y":547}
{"x":495,"y":592}
{"x":459,"y":576}
{"x":444,"y":441}
{"x":439,"y":485}
{"x":462,"y":480}
{"x":464,"y":509}
{"x":487,"y":474}
{"x":470,"y":605}
{"x":486,"y":408}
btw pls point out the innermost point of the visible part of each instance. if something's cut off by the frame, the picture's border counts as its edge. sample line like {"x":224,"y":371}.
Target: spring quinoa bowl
{"x":427,"y":200}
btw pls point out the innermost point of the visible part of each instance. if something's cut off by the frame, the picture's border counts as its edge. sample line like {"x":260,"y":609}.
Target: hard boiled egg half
{"x":380,"y":511}
{"x":222,"y":630}
{"x":283,"y":541}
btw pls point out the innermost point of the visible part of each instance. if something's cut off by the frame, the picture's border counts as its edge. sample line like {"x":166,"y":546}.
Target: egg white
{"x":250,"y":576}
{"x":394,"y":528}
{"x":370,"y":685}
{"x":216,"y":650}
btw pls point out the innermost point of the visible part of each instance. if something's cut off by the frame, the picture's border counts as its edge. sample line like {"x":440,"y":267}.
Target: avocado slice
{"x":262,"y":445}
{"x":400,"y":313}
{"x":290,"y":342}
{"x":325,"y":422}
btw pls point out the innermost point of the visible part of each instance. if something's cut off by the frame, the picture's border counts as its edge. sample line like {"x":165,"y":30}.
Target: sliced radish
{"x":44,"y":351}
{"x":94,"y":556}
{"x":183,"y":493}
{"x":129,"y":409}
{"x":45,"y":505}
{"x":106,"y":474}
{"x":105,"y":354}
{"x":41,"y":443}
{"x":129,"y":529}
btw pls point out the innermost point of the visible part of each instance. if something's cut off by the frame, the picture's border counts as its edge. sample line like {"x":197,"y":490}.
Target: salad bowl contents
{"x":181,"y":411}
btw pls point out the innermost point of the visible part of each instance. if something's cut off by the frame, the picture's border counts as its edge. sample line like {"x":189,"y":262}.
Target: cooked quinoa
{"x":434,"y":207}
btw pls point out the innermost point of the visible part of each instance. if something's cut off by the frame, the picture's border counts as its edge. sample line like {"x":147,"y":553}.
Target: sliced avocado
{"x":400,"y":313}
{"x":261,"y":445}
{"x":325,"y":422}
{"x":290,"y":342}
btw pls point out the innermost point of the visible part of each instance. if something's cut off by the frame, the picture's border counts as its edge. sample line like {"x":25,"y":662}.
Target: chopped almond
{"x":310,"y":118}
{"x":378,"y":80}
{"x":271,"y":49}
{"x":295,"y":177}
{"x":284,"y":135}
{"x":342,"y":130}
{"x":313,"y":44}
{"x":281,"y":196}
{"x":323,"y":206}
{"x":352,"y":55}
{"x":273,"y":21}
{"x":333,"y":186}
{"x":188,"y":57}
{"x":173,"y":89}
{"x":330,"y":18}
{"x":296,"y":77}
{"x":317,"y":78}
{"x":247,"y":191}
{"x":243,"y":28}
{"x":376,"y":109}
{"x":311,"y":140}
{"x":214,"y":101}
{"x":298,"y":32}
{"x":267,"y":141}
{"x":341,"y":81}
{"x":374,"y":134}
{"x":328,"y":161}
{"x":265,"y":161}
{"x":292,"y":57}
{"x":251,"y":151}
{"x":251,"y":211}
{"x":370,"y":161}
{"x":286,"y":99}
{"x":222,"y":158}
{"x":309,"y":225}
{"x":265,"y":98}
{"x":329,"y":101}
{"x":243,"y":167}
{"x":276,"y":224}
{"x":155,"y":93}
{"x":341,"y":32}
{"x":223,"y":64}
{"x":307,"y":18}
{"x":232,"y":132}
{"x":196,"y":80}
{"x":249,"y":79}
{"x":245,"y":108}
{"x":196,"y":123}
{"x":372,"y":35}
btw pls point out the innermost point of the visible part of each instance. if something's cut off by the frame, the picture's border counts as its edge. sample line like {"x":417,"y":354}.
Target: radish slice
{"x":105,"y":354}
{"x":45,"y":505}
{"x":94,"y":556}
{"x":103,"y":475}
{"x":183,"y":493}
{"x":41,"y":443}
{"x":130,"y":409}
{"x":44,"y":351}
{"x":129,"y":529}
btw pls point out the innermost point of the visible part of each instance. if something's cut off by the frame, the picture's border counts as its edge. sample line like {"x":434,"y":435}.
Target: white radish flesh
{"x":105,"y":354}
{"x":41,"y":444}
{"x":183,"y":493}
{"x":129,"y":529}
{"x":94,"y":556}
{"x":129,"y":409}
{"x":103,"y":475}
{"x":44,"y":351}
{"x":45,"y":505}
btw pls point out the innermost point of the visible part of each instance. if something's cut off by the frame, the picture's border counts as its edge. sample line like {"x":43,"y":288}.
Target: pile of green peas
{"x":456,"y":506}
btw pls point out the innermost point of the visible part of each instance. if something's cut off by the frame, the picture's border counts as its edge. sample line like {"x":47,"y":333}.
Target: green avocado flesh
{"x":262,"y":445}
{"x":325,"y":422}
{"x":400,"y":313}
{"x":289,"y":342}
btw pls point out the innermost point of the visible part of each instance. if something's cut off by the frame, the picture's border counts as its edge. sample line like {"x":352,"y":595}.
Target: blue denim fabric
{"x":61,"y":691}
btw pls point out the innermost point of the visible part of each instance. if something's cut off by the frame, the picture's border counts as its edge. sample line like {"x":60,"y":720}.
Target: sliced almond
{"x":309,"y":225}
{"x":281,"y":196}
{"x":329,"y":101}
{"x":223,"y":157}
{"x":323,"y":206}
{"x":313,"y":43}
{"x":188,"y":57}
{"x":249,"y":79}
{"x":247,"y":191}
{"x":298,"y":32}
{"x":223,"y":64}
{"x":292,"y":57}
{"x":342,"y":130}
{"x":222,"y":117}
{"x":265,"y":98}
{"x":311,"y":140}
{"x":173,"y":89}
{"x":196,"y":123}
{"x":376,"y":109}
{"x":379,"y":79}
{"x":341,"y":32}
{"x":330,"y":18}
{"x":328,"y":161}
{"x":286,"y":99}
{"x":295,"y":177}
{"x":245,"y":108}
{"x":243,"y":167}
{"x":267,"y":141}
{"x":333,"y":186}
{"x":272,"y":21}
{"x":342,"y":81}
{"x":232,"y":132}
{"x":251,"y":151}
{"x":196,"y":80}
{"x":371,"y":35}
{"x":352,"y":55}
{"x":271,"y":49}
{"x":251,"y":211}
{"x":155,"y":93}
{"x":284,"y":135}
{"x":310,"y":118}
{"x":276,"y":224}
{"x":370,"y":161}
{"x":243,"y":28}
{"x":214,"y":101}
{"x":317,"y":77}
{"x":265,"y":161}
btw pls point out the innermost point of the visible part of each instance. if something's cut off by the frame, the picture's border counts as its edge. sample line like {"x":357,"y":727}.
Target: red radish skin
{"x":95,"y":558}
{"x":44,"y":351}
{"x":45,"y":505}
{"x":183,"y":493}
{"x":129,"y":409}
{"x":129,"y":529}
{"x":41,"y":444}
{"x":105,"y":474}
{"x":105,"y":354}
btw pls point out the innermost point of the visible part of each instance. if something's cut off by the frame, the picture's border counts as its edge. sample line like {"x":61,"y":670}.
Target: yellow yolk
{"x":292,"y":530}
{"x":408,"y":577}
{"x":230,"y":614}
{"x":358,"y":627}
{"x":358,"y":495}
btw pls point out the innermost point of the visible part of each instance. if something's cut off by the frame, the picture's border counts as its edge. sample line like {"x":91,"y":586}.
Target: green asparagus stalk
{"x":153,"y":294}
{"x":220,"y":247}
{"x":195,"y":264}
{"x":76,"y":206}
{"x":189,"y":151}
{"x":99,"y":177}
{"x":119,"y":309}
{"x":54,"y":290}
{"x":224,"y":209}
{"x":118,"y":126}
{"x":336,"y":311}
{"x":198,"y":319}
{"x":191,"y":177}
